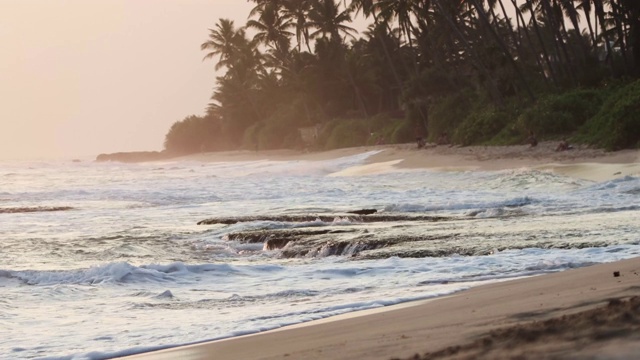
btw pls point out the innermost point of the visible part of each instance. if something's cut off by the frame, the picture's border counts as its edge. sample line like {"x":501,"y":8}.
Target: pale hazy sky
{"x":83,"y":77}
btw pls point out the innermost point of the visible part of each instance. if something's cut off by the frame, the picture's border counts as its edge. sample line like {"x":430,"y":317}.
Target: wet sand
{"x":586,"y":313}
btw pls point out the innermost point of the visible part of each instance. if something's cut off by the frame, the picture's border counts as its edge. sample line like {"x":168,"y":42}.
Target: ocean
{"x":100,"y":260}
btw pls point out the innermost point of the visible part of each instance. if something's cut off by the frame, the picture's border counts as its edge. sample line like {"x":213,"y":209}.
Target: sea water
{"x":106,"y":259}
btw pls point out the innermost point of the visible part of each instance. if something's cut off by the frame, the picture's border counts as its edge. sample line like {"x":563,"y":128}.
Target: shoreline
{"x":580,"y":162}
{"x":450,"y":324}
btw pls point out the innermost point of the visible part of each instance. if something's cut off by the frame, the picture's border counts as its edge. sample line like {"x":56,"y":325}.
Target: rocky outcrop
{"x":134,"y":156}
{"x":13,"y":210}
{"x":322,"y":217}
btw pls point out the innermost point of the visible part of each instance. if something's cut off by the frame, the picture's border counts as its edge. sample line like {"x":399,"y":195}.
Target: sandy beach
{"x":581,"y":162}
{"x":580,"y":313}
{"x":586,"y":313}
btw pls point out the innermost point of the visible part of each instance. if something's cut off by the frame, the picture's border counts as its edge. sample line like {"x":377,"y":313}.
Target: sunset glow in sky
{"x":83,"y":77}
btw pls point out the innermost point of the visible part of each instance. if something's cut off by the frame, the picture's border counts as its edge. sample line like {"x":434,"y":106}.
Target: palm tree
{"x":570,"y":10}
{"x":295,"y":11}
{"x":327,"y":19}
{"x":450,"y":18}
{"x":525,"y":29}
{"x":233,"y":98}
{"x":222,"y":42}
{"x":530,"y":6}
{"x":401,"y":10}
{"x":600,"y":15}
{"x":503,"y":46}
{"x":633,"y":16}
{"x":272,"y":29}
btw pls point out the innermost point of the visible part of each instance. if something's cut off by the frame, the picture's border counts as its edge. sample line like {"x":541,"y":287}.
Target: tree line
{"x":480,"y":71}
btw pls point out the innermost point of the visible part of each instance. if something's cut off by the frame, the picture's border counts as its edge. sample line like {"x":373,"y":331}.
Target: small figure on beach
{"x":532,"y":140}
{"x":443,"y":139}
{"x":564,"y":146}
{"x":420,"y":137}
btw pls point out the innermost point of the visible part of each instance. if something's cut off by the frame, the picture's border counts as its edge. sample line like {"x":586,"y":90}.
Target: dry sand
{"x":584,"y":313}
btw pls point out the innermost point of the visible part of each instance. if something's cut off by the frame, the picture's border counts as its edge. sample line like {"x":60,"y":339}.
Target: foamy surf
{"x":131,"y":251}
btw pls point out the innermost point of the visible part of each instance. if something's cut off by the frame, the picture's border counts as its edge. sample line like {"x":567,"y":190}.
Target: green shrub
{"x":448,"y":113}
{"x":562,"y":114}
{"x":195,"y":134}
{"x":617,"y":125}
{"x":480,"y":126}
{"x":347,"y":133}
{"x":403,"y":132}
{"x":250,"y":137}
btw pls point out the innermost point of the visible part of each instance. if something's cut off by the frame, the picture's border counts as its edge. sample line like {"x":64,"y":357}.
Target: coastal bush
{"x":447,"y":113}
{"x":403,"y":132}
{"x":381,"y":127}
{"x":270,"y":135}
{"x":250,"y":137}
{"x":480,"y":126}
{"x":561,"y":114}
{"x":194,"y":134}
{"x":346,"y":133}
{"x":617,"y":125}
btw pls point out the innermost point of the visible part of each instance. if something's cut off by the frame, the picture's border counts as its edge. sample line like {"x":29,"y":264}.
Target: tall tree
{"x":271,"y":28}
{"x":328,"y":20}
{"x":222,"y":42}
{"x":296,"y":12}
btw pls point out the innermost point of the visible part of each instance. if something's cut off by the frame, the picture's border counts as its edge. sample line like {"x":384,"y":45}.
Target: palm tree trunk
{"x":634,"y":35}
{"x":385,"y":49}
{"x":543,"y":46}
{"x":506,"y":18}
{"x":615,"y":8}
{"x":559,"y":43}
{"x":527,"y":34}
{"x":504,"y":48}
{"x":356,"y":91}
{"x":599,"y":9}
{"x":586,"y":9}
{"x":474,"y":58}
{"x":573,"y":16}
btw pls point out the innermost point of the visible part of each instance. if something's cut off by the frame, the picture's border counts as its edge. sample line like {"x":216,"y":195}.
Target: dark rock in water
{"x":404,"y":235}
{"x":275,"y":243}
{"x":134,"y":156}
{"x":324,"y":218}
{"x":13,"y":210}
{"x":165,"y":295}
{"x":312,"y":242}
{"x":380,"y":240}
{"x":363,"y":212}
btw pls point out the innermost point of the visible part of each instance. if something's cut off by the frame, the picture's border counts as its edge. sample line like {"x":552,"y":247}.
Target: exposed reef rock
{"x":410,"y":235}
{"x":324,"y":218}
{"x":363,"y":212}
{"x":13,"y":210}
{"x":315,"y":242}
{"x":135,"y":156}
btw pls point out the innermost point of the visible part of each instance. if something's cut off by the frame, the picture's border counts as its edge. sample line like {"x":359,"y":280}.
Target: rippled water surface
{"x":102,"y":259}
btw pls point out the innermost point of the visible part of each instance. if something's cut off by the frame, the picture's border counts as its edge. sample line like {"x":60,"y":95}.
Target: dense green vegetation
{"x":484,"y":72}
